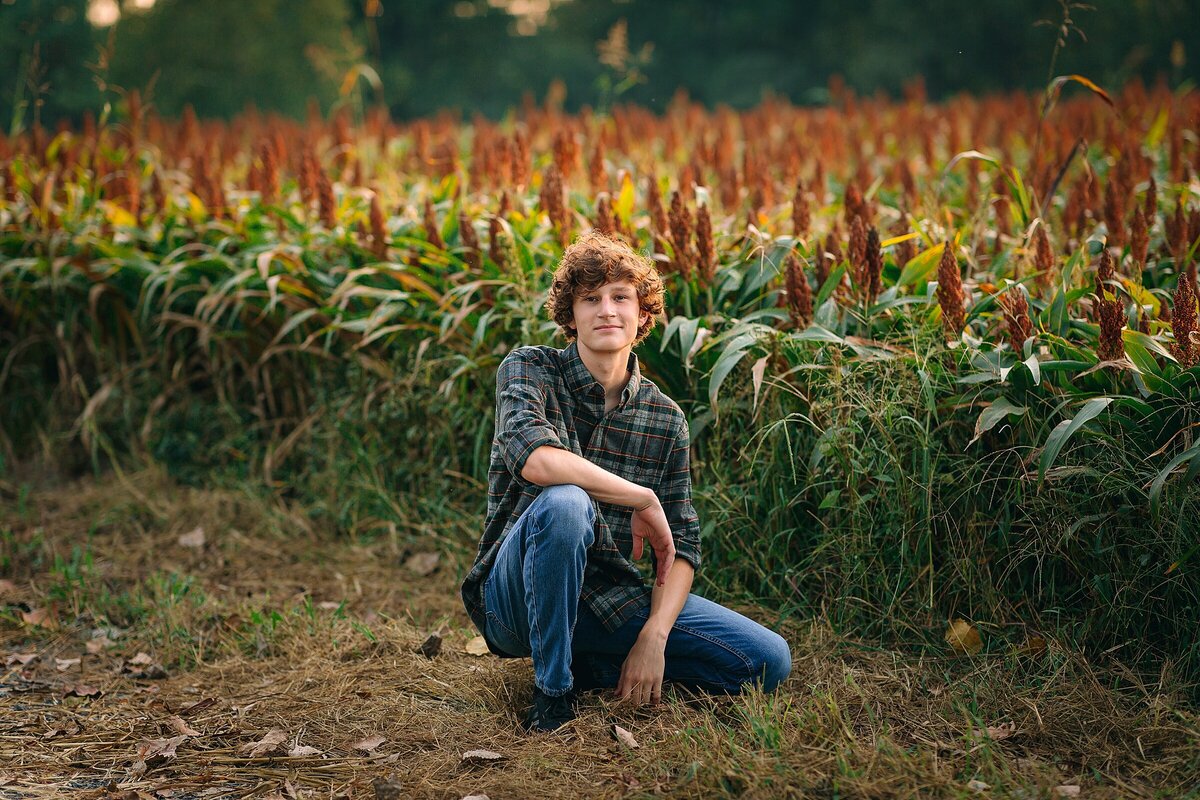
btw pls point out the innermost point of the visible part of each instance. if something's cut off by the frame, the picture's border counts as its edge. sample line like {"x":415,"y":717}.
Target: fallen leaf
{"x":624,"y":737}
{"x":477,"y":647}
{"x":197,"y":707}
{"x":8,"y":589}
{"x":98,"y":645}
{"x":71,"y":729}
{"x":978,"y":786}
{"x":963,"y":638}
{"x":476,"y":797}
{"x":300,"y":751}
{"x":193,"y":539}
{"x":142,"y":667}
{"x":39,"y":617}
{"x":266,"y":745}
{"x":20,"y":658}
{"x":370,"y":743}
{"x":328,"y":605}
{"x":64,"y":664}
{"x":1001,"y":731}
{"x":1067,"y":790}
{"x":182,"y":728}
{"x":481,"y":757}
{"x":423,"y":563}
{"x":431,"y":646}
{"x":159,"y":748}
{"x":81,"y":690}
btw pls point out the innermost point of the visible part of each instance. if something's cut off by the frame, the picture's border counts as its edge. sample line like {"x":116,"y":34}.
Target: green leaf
{"x":735,"y":350}
{"x":831,"y":283}
{"x":1156,"y":486}
{"x":1035,"y":368}
{"x":1065,"y":430}
{"x":1000,"y":409}
{"x":917,"y":270}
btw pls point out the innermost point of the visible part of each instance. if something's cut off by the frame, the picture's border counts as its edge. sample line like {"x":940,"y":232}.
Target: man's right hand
{"x":649,"y":524}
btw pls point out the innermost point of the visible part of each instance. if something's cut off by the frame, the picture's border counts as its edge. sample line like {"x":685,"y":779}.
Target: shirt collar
{"x":583,"y":384}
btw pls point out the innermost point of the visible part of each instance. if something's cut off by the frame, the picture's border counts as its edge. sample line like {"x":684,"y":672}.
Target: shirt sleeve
{"x":675,"y":494}
{"x":521,"y":423}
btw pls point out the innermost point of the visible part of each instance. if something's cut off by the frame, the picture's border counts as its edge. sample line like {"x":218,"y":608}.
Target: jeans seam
{"x":747,"y":664}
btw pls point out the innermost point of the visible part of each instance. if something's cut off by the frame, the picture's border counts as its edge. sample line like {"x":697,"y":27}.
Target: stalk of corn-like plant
{"x":1111,"y":312}
{"x":379,"y":234}
{"x":433,"y":233}
{"x":680,"y":222}
{"x":470,"y":240}
{"x":950,"y":293}
{"x":706,"y":255}
{"x":873,"y":282}
{"x":1043,"y":259}
{"x":604,"y":215}
{"x":325,"y":200}
{"x":801,"y":214}
{"x":1183,"y":322}
{"x":799,"y":293}
{"x":1016,"y":319}
{"x":551,"y":201}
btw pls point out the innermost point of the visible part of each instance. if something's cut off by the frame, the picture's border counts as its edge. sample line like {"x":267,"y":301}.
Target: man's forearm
{"x":667,"y":601}
{"x":549,"y":466}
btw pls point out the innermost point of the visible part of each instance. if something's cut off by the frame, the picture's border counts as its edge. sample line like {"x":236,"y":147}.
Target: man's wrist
{"x":647,"y":500}
{"x":654,"y":633}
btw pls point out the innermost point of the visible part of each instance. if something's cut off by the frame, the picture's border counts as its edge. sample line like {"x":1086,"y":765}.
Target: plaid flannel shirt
{"x":644,"y":439}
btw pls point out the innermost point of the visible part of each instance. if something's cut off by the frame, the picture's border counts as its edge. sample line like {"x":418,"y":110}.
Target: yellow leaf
{"x":624,"y":204}
{"x":477,"y":647}
{"x":1142,"y":296}
{"x":119,"y":216}
{"x":963,"y":638}
{"x":898,"y":239}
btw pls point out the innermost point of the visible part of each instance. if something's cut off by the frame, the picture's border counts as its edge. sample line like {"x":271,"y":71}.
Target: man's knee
{"x":567,"y":510}
{"x":773,"y":660}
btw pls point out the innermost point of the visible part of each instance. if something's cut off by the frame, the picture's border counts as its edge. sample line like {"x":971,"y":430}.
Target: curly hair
{"x":594,"y":260}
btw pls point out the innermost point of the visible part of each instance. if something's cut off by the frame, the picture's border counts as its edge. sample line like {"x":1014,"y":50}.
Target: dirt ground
{"x":168,"y":642}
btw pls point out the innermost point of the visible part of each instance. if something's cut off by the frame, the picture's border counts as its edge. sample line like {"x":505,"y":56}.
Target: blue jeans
{"x":531,"y":598}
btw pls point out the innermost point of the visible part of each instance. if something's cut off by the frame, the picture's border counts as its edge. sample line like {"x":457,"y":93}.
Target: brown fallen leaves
{"x":481,"y":758}
{"x":422,"y":564}
{"x":477,"y":647}
{"x":963,"y":638}
{"x":624,"y":737}
{"x":143,"y":667}
{"x":368,"y":744}
{"x":181,"y":727}
{"x":193,"y":539}
{"x":270,"y":743}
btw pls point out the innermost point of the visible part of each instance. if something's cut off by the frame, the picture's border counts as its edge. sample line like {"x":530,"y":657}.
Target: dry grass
{"x":271,"y":625}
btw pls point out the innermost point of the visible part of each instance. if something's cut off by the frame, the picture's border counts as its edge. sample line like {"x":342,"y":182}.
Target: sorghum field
{"x":940,"y":363}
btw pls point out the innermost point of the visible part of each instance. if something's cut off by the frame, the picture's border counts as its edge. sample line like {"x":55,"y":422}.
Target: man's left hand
{"x":642,"y":673}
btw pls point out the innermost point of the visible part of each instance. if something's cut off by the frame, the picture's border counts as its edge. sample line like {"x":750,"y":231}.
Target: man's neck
{"x":610,"y":369}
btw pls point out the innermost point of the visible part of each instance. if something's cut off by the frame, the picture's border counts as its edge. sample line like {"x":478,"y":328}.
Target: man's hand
{"x":642,"y":673}
{"x":650,"y":524}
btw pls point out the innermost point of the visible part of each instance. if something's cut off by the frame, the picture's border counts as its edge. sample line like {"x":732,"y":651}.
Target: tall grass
{"x":924,"y":378}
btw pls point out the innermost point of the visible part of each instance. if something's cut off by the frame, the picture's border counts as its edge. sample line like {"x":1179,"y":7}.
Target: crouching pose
{"x":590,"y":463}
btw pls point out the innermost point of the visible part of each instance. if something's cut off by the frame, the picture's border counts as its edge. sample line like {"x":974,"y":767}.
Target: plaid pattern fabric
{"x":539,"y":393}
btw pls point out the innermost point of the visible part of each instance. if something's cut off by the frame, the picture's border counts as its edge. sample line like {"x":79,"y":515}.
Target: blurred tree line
{"x":485,"y":55}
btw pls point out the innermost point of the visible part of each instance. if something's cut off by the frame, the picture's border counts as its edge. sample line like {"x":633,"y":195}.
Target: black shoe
{"x":549,"y":713}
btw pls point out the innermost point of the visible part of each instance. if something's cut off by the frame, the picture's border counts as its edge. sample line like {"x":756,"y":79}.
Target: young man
{"x":589,"y":463}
